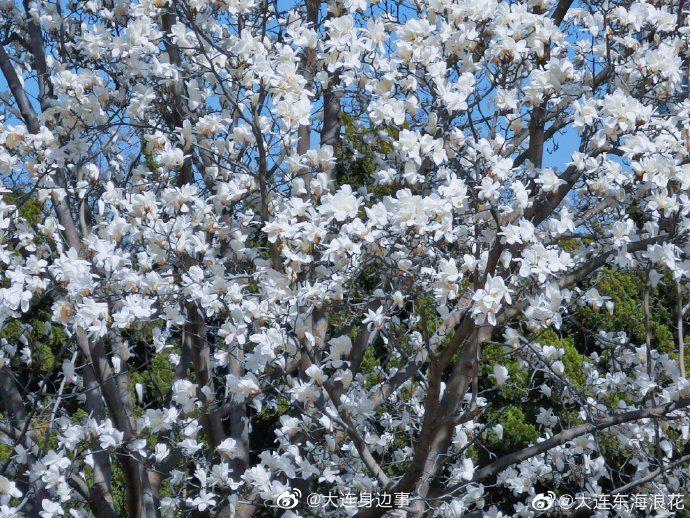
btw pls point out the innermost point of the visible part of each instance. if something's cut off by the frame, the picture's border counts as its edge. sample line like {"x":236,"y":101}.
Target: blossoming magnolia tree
{"x":208,"y":300}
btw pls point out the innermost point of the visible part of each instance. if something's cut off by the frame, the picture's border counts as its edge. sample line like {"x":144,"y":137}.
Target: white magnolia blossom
{"x":250,"y":250}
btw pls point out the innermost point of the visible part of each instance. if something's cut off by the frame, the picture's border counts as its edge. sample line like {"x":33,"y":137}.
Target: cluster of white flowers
{"x":249,"y":247}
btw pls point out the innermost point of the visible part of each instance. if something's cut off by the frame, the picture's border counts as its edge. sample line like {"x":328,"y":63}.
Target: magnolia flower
{"x":9,"y":488}
{"x":228,"y":448}
{"x":488,"y":300}
{"x":375,"y":319}
{"x":549,"y":181}
{"x":50,"y":509}
{"x":68,"y":370}
{"x":139,"y":388}
{"x":466,"y":471}
{"x":316,"y":374}
{"x":203,"y":501}
{"x":258,"y":477}
{"x":387,"y":110}
{"x":171,"y":158}
{"x":342,"y":205}
{"x":109,"y":437}
{"x":161,"y":452}
{"x":184,"y":394}
{"x":500,"y":374}
{"x":489,"y":190}
{"x":449,"y":277}
{"x":398,"y":299}
{"x":340,"y":346}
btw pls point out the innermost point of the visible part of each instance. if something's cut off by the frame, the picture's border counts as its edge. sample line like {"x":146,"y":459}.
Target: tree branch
{"x":568,"y":435}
